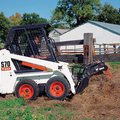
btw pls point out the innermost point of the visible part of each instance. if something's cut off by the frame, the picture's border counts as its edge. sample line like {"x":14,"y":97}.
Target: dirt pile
{"x":101,"y":100}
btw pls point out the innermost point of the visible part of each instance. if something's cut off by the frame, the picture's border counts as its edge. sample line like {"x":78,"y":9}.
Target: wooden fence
{"x":87,"y":48}
{"x":84,"y":47}
{"x":107,"y":48}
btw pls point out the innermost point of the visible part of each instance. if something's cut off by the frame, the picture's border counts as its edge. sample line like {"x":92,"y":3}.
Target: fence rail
{"x":99,"y":49}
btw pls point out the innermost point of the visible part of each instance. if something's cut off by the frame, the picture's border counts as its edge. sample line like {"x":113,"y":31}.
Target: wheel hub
{"x":26,"y":91}
{"x":57,"y":89}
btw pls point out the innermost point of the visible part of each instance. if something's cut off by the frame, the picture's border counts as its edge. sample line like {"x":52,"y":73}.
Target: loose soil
{"x":99,"y":101}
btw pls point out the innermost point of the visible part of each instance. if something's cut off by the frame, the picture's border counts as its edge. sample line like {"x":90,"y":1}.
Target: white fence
{"x":98,"y":49}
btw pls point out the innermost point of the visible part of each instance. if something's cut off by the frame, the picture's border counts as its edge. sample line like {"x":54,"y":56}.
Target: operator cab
{"x":21,"y":41}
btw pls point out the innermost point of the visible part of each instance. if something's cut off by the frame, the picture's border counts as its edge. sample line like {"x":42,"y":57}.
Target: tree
{"x":75,"y":12}
{"x":15,"y":19}
{"x":5,"y":23}
{"x":109,"y":14}
{"x":32,"y":18}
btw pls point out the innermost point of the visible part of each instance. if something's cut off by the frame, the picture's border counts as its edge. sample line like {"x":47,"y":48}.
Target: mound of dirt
{"x":101,"y":99}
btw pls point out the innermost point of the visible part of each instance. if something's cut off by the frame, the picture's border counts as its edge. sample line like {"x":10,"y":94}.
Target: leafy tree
{"x":109,"y":14}
{"x":15,"y":19}
{"x":32,"y":18}
{"x":75,"y":12}
{"x":5,"y":23}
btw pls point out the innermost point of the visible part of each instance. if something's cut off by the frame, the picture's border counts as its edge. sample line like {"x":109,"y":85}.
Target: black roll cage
{"x":23,"y":28}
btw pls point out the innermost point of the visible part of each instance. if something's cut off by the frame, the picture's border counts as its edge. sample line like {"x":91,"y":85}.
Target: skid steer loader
{"x":27,"y":76}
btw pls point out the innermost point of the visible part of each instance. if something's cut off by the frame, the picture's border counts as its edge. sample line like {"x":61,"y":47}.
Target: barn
{"x":104,"y":33}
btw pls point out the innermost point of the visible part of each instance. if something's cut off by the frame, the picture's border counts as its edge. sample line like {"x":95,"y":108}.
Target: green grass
{"x":17,"y":109}
{"x":114,"y":65}
{"x":87,"y":119}
{"x":11,"y":103}
{"x":54,"y":112}
{"x":11,"y":110}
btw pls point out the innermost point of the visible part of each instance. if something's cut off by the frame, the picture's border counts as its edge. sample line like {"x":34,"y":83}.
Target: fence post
{"x":114,"y":48}
{"x":99,"y":49}
{"x":104,"y":46}
{"x":88,"y":48}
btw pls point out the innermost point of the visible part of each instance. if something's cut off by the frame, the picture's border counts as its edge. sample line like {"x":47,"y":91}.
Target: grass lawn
{"x":17,"y":109}
{"x":114,"y":64}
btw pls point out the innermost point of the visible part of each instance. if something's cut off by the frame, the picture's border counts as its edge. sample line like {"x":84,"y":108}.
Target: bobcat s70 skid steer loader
{"x":23,"y":75}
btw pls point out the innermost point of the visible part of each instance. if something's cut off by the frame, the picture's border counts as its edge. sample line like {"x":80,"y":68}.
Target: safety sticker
{"x":5,"y":66}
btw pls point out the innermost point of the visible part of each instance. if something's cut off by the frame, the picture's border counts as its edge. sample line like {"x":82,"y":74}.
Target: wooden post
{"x":104,"y":46}
{"x":114,"y":48}
{"x":88,"y":48}
{"x":99,"y":49}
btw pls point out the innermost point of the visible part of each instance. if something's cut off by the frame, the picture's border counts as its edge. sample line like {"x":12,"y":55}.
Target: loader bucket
{"x":83,"y":73}
{"x":82,"y":83}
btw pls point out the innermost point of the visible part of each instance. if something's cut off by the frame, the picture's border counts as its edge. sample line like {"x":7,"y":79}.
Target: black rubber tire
{"x":31,"y":85}
{"x":61,"y":82}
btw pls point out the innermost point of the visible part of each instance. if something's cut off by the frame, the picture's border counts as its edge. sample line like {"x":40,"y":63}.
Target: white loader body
{"x":9,"y":76}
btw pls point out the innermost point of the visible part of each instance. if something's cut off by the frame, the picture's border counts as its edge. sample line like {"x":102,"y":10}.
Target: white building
{"x":54,"y":34}
{"x":102,"y":32}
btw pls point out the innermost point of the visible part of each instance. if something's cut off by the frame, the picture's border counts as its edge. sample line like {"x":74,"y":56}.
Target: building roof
{"x":114,"y":28}
{"x":61,"y":31}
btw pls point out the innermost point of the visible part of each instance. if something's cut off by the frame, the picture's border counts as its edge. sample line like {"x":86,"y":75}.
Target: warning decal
{"x":5,"y":66}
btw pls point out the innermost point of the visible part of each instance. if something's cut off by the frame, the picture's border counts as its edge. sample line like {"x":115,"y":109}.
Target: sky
{"x":42,"y":7}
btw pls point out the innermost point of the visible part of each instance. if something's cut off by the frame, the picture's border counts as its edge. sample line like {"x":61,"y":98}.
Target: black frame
{"x":44,"y":29}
